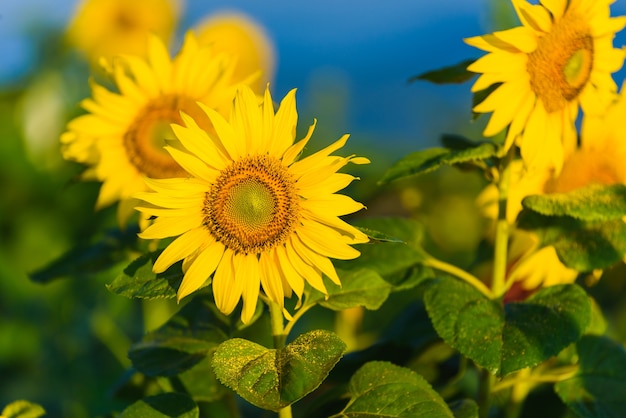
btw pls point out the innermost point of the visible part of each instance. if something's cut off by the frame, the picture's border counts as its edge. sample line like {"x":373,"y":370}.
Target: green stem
{"x":484,"y":393}
{"x":502,"y":227}
{"x":460,"y":273}
{"x":295,"y":318}
{"x":278,"y":332}
{"x":554,"y":377}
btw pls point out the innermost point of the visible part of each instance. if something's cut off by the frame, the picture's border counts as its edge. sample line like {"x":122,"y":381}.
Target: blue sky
{"x":365,"y":50}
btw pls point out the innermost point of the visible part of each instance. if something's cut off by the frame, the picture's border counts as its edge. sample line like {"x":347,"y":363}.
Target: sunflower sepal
{"x":273,"y":379}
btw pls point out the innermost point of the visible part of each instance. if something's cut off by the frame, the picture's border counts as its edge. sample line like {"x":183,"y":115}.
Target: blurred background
{"x":63,"y":342}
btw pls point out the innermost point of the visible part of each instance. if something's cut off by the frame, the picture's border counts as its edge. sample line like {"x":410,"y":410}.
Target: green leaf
{"x":85,"y":260}
{"x":358,"y":288}
{"x":388,"y":257}
{"x":503,"y":340}
{"x":580,"y":245}
{"x":422,"y":162}
{"x":598,"y":389}
{"x":383,"y":389}
{"x":173,"y":405}
{"x":592,"y":203}
{"x":272,"y":379}
{"x":453,"y":74}
{"x":184,"y":341}
{"x":377,"y":236}
{"x":200,"y":382}
{"x":479,"y":96}
{"x":139,"y":281}
{"x":464,"y":408}
{"x":22,"y":409}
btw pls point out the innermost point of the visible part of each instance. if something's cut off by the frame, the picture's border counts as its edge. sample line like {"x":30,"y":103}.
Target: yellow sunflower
{"x":122,"y":137}
{"x":247,"y":211}
{"x":560,"y":58}
{"x":238,"y":35}
{"x":111,"y":27}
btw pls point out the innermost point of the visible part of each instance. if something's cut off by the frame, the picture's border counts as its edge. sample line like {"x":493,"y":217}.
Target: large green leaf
{"x":422,"y":162}
{"x":358,"y":288}
{"x":580,"y":245}
{"x":87,"y":259}
{"x":382,"y":389}
{"x":457,"y":73}
{"x":139,"y":281}
{"x":22,"y":409}
{"x":399,"y":263}
{"x":592,"y":203}
{"x":184,"y":341}
{"x":599,"y":387}
{"x":509,"y":338}
{"x":272,"y":379}
{"x":170,"y":405}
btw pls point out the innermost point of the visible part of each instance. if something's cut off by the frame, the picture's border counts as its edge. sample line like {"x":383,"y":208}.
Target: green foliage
{"x":358,"y":288}
{"x":598,"y":388}
{"x":426,"y":161}
{"x":384,"y":389}
{"x":139,"y":281}
{"x":22,"y":409}
{"x":584,"y":226}
{"x":591,"y":203}
{"x":83,"y":261}
{"x":580,"y":245}
{"x":166,"y":405}
{"x":510,"y":338}
{"x":399,"y":261}
{"x":184,"y":341}
{"x":271,"y":378}
{"x":453,"y":74}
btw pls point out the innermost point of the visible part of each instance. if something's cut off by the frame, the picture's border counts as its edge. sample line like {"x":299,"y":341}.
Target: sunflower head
{"x":238,"y":35}
{"x":103,"y":28}
{"x":249,"y":214}
{"x":560,"y":59}
{"x":122,"y":138}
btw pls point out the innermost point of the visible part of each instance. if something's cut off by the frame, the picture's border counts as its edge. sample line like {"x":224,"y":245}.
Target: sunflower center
{"x":561,"y":65}
{"x":149,"y":132}
{"x":253,"y":205}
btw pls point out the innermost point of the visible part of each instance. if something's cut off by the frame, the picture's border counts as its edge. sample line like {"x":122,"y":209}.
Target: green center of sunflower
{"x":150,"y":131}
{"x":561,"y":65}
{"x":252,"y":205}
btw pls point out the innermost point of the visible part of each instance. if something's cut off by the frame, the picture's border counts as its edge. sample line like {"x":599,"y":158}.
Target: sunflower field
{"x":203,"y":215}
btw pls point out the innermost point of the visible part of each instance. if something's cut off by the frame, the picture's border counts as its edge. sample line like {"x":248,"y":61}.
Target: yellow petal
{"x":201,"y":269}
{"x":180,"y":248}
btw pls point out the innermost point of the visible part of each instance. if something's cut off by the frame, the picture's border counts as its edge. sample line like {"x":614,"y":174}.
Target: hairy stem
{"x":279,"y":335}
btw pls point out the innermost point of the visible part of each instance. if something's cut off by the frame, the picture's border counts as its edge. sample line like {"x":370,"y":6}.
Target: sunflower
{"x":560,"y":58}
{"x":239,"y":35}
{"x":248,"y":211}
{"x":122,"y":137}
{"x":111,"y":27}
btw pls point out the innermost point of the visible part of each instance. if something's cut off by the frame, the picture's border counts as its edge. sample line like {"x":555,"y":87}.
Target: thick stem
{"x":502,"y":227}
{"x":278,"y":332}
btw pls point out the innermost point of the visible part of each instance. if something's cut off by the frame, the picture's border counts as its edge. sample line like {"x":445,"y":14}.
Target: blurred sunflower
{"x":560,"y":58}
{"x":104,"y":28}
{"x":599,"y":160}
{"x":249,"y":212}
{"x":239,"y":35}
{"x":122,"y":137}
